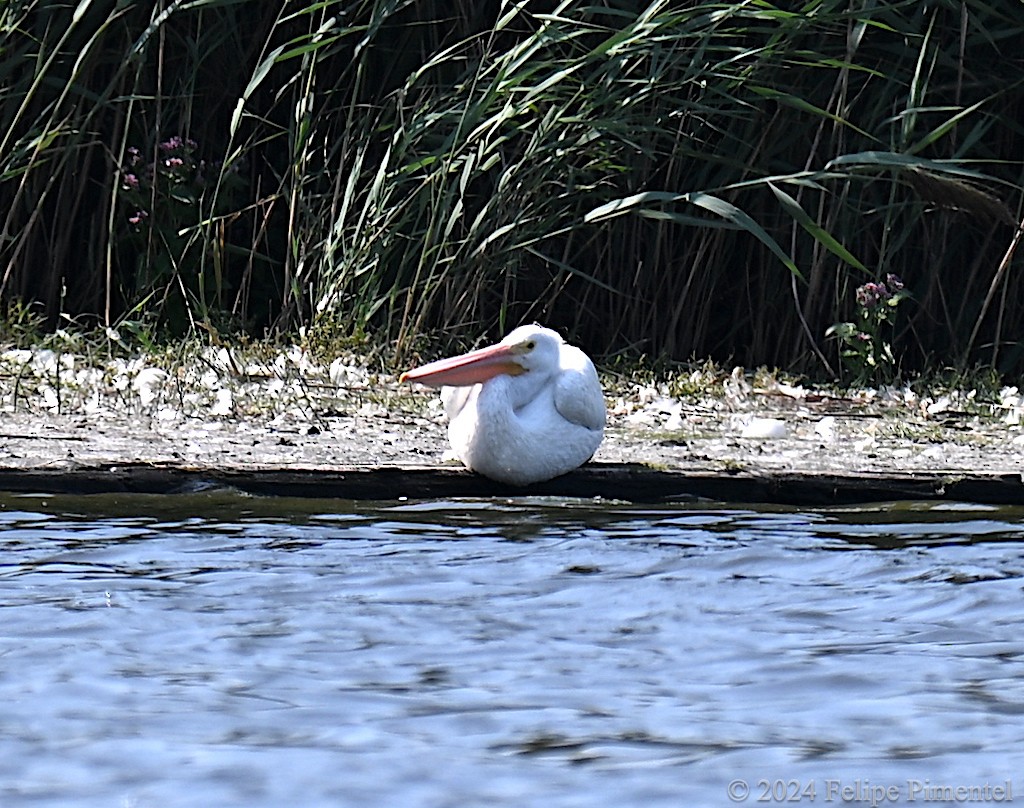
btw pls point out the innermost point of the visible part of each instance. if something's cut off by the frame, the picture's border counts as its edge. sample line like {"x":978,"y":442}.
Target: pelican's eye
{"x":524,"y":347}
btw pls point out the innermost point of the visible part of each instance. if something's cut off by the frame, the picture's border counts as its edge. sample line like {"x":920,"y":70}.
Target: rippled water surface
{"x":217,"y":650}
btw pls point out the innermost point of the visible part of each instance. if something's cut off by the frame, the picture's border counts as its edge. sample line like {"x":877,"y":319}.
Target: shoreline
{"x":369,"y":459}
{"x":291,"y":424}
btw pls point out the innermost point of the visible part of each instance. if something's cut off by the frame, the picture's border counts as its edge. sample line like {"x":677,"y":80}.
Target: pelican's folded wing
{"x":578,"y":395}
{"x":454,"y":399}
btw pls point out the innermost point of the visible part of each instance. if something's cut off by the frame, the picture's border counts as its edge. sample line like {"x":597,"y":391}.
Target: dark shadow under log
{"x":626,"y":482}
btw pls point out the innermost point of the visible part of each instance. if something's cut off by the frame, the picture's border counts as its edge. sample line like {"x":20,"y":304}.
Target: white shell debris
{"x":865,"y":444}
{"x":225,"y":403}
{"x":826,"y":429}
{"x":212,"y":382}
{"x":697,"y":416}
{"x":765,"y":429}
{"x":1012,"y":401}
{"x":148,"y":383}
{"x":343,"y":373}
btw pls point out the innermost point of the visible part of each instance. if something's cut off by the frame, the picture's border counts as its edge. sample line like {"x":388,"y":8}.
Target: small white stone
{"x":826,"y":429}
{"x":765,"y":429}
{"x":17,"y":356}
{"x":675,"y":421}
{"x":224,"y":405}
{"x":941,"y":404}
{"x":793,"y":391}
{"x":50,"y":399}
{"x":864,"y":444}
{"x":148,"y":383}
{"x":640,"y":418}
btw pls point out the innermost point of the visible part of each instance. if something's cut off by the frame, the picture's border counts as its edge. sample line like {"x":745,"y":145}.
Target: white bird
{"x":525,"y":410}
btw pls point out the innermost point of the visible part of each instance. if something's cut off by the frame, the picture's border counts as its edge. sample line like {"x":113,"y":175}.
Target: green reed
{"x":661,"y":178}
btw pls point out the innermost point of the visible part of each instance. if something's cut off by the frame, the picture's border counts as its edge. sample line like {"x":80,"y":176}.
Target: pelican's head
{"x":534,"y":347}
{"x":529,"y":348}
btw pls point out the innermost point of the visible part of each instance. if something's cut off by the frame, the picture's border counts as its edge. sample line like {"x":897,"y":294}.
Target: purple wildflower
{"x":172,"y":144}
{"x":138,"y":218}
{"x":131,"y":182}
{"x":871,"y":294}
{"x":174,"y":162}
{"x":894,"y":282}
{"x":134,"y":155}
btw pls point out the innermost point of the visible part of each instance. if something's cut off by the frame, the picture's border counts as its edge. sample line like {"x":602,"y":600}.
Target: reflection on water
{"x":224,"y":650}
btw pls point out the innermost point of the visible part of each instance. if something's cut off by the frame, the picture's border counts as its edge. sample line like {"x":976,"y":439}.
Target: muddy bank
{"x":390,"y":456}
{"x":291,"y":425}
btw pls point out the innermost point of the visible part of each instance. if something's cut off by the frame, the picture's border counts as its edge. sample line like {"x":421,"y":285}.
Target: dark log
{"x":626,"y":482}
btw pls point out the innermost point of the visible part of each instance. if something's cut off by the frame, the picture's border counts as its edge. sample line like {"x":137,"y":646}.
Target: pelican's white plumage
{"x":525,"y":410}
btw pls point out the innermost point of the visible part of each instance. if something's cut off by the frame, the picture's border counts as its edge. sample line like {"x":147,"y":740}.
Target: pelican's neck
{"x":497,"y":401}
{"x":518,"y":392}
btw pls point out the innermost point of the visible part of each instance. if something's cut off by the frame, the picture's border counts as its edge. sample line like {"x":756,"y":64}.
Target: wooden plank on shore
{"x":614,"y":481}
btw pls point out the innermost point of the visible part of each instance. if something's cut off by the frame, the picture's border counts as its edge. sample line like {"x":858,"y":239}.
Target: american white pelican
{"x":525,"y":410}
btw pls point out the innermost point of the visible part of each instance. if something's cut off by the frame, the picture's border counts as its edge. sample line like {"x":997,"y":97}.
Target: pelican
{"x":523,"y":411}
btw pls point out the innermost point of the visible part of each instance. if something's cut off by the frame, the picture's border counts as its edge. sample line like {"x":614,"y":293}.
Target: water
{"x":230,"y":651}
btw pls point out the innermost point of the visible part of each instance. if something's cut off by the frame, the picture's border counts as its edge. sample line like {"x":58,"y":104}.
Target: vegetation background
{"x":670,"y":179}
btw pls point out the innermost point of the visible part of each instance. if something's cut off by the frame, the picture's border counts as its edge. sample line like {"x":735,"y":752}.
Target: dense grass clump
{"x":674,"y":179}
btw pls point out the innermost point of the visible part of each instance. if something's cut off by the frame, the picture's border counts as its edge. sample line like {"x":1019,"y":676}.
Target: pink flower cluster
{"x":172,"y":165}
{"x":872,"y":294}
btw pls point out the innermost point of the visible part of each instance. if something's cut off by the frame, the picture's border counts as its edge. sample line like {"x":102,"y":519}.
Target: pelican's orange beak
{"x":468,"y":369}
